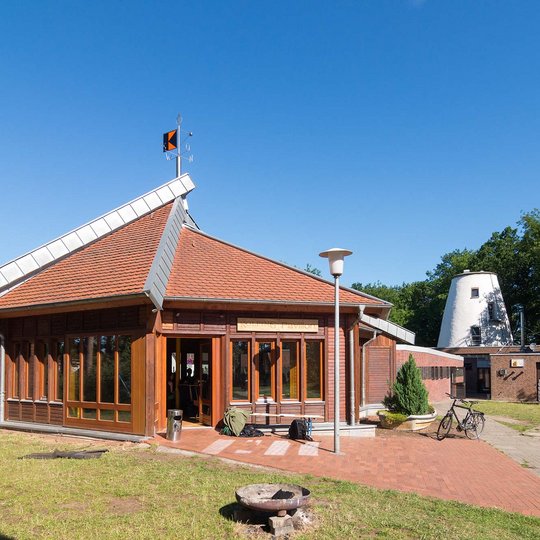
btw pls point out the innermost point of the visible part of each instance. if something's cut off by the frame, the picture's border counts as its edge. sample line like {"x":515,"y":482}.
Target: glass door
{"x":205,"y":382}
{"x":265,"y":380}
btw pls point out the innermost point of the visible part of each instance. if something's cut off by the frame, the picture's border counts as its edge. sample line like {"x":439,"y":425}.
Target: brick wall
{"x":518,"y":384}
{"x":427,"y":358}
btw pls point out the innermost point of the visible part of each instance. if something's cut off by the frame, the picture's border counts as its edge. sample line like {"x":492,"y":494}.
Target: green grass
{"x":138,"y":493}
{"x":526,"y":413}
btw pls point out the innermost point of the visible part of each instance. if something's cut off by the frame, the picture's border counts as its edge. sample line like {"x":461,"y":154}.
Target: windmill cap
{"x":469,"y":273}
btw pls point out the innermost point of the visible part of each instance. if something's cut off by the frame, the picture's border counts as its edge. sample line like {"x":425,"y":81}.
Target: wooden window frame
{"x":15,"y":386}
{"x":321,"y":370}
{"x":297,"y":342}
{"x":231,"y":357}
{"x":79,"y":405}
{"x":55,"y":364}
{"x":273,"y":369}
{"x":41,"y":366}
{"x":21,"y":368}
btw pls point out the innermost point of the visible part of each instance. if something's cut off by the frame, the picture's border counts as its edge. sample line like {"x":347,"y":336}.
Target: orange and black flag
{"x":170,"y":140}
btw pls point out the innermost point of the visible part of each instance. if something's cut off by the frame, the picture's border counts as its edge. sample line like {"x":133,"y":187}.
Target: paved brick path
{"x":521,"y":448}
{"x":456,"y":468}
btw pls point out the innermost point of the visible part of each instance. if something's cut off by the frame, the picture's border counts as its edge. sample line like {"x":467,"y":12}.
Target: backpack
{"x":251,"y":431}
{"x":299,"y":430}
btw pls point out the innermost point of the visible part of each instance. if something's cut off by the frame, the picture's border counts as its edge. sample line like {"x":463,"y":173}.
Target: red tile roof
{"x":205,"y":267}
{"x":114,"y":265}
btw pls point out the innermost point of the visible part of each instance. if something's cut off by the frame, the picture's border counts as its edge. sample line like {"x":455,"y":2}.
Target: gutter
{"x":2,"y":377}
{"x":263,"y":302}
{"x":74,"y":303}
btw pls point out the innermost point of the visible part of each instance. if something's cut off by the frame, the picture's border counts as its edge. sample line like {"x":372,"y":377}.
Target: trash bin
{"x":174,"y":424}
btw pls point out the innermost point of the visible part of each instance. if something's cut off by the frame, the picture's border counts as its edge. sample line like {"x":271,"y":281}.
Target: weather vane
{"x":175,"y":146}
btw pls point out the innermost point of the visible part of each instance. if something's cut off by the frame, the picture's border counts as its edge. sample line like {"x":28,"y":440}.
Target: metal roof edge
{"x":160,"y":270}
{"x":429,"y":350}
{"x":388,"y":327}
{"x":37,"y":259}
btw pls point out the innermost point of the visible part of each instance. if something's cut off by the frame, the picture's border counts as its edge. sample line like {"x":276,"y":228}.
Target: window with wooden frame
{"x":99,"y":378}
{"x":240,"y":370}
{"x":29,"y":372}
{"x":57,"y":350}
{"x":41,"y":355}
{"x":22,"y":373}
{"x":16,"y":366}
{"x":290,"y":373}
{"x":314,"y":370}
{"x":265,"y":370}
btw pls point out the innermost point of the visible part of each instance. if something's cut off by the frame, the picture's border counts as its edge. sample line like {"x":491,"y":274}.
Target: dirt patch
{"x":124,"y":506}
{"x":75,"y":506}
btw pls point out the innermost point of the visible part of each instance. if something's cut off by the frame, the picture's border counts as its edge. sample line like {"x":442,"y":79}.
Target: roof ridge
{"x":285,"y":265}
{"x":35,"y":260}
{"x":157,"y":279}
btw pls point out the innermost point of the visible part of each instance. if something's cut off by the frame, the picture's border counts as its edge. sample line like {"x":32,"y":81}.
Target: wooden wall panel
{"x":27,"y":411}
{"x":379,"y":373}
{"x":138,"y":385}
{"x":56,"y":414}
{"x":42,"y":413}
{"x":160,"y":419}
{"x":13,"y":410}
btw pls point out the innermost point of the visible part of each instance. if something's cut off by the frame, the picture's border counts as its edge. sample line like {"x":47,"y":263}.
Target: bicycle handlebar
{"x":459,"y":399}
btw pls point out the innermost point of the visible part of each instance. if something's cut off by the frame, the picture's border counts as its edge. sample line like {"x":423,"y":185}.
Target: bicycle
{"x":472,"y":424}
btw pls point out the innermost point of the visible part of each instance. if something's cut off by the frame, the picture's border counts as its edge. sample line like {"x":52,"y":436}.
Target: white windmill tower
{"x":475,"y":314}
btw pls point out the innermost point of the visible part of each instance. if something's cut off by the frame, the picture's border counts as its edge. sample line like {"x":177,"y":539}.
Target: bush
{"x":394,"y":417}
{"x":409,"y":395}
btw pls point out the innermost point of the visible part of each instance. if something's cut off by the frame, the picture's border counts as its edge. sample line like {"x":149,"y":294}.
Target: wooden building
{"x":138,"y":311}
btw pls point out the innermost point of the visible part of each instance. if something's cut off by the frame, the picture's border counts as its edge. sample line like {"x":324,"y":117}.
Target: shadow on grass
{"x":4,"y":537}
{"x":239,"y":514}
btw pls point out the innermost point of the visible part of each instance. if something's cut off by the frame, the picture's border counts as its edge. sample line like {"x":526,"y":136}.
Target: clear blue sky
{"x":398,"y":129}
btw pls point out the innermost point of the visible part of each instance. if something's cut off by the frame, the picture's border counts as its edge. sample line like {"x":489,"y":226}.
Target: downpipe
{"x":352,"y":348}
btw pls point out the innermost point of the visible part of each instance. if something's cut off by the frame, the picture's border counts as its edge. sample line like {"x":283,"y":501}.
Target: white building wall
{"x":464,"y":310}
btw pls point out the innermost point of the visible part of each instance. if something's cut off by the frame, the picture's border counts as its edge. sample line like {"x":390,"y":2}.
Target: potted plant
{"x":407,"y":405}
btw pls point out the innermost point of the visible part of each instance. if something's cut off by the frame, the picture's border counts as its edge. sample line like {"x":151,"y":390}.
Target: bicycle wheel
{"x":444,"y":427}
{"x":481,"y":423}
{"x":474,"y":426}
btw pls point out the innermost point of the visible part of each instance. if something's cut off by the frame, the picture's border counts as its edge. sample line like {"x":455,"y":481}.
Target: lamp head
{"x":335,"y":258}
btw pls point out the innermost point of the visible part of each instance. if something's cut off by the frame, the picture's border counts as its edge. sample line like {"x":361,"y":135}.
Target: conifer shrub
{"x":409,"y":394}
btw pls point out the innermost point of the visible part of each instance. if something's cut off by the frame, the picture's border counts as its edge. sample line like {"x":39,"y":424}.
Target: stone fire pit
{"x":274,"y":498}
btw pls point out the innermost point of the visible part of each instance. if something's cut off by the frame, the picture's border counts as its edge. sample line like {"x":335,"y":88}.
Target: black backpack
{"x":299,"y":431}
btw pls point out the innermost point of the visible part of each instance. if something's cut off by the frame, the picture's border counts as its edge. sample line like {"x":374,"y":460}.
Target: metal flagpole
{"x":178,"y":149}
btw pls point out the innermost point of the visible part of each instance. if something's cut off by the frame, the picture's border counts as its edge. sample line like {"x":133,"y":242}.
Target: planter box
{"x":415,"y":422}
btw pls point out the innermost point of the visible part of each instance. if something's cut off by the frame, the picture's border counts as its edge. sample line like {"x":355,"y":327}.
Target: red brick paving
{"x":454,"y":469}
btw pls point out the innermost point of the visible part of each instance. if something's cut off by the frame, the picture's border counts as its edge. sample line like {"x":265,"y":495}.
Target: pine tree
{"x":409,"y":394}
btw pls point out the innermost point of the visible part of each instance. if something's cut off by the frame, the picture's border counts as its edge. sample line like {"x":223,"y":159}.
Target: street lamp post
{"x":335,"y":258}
